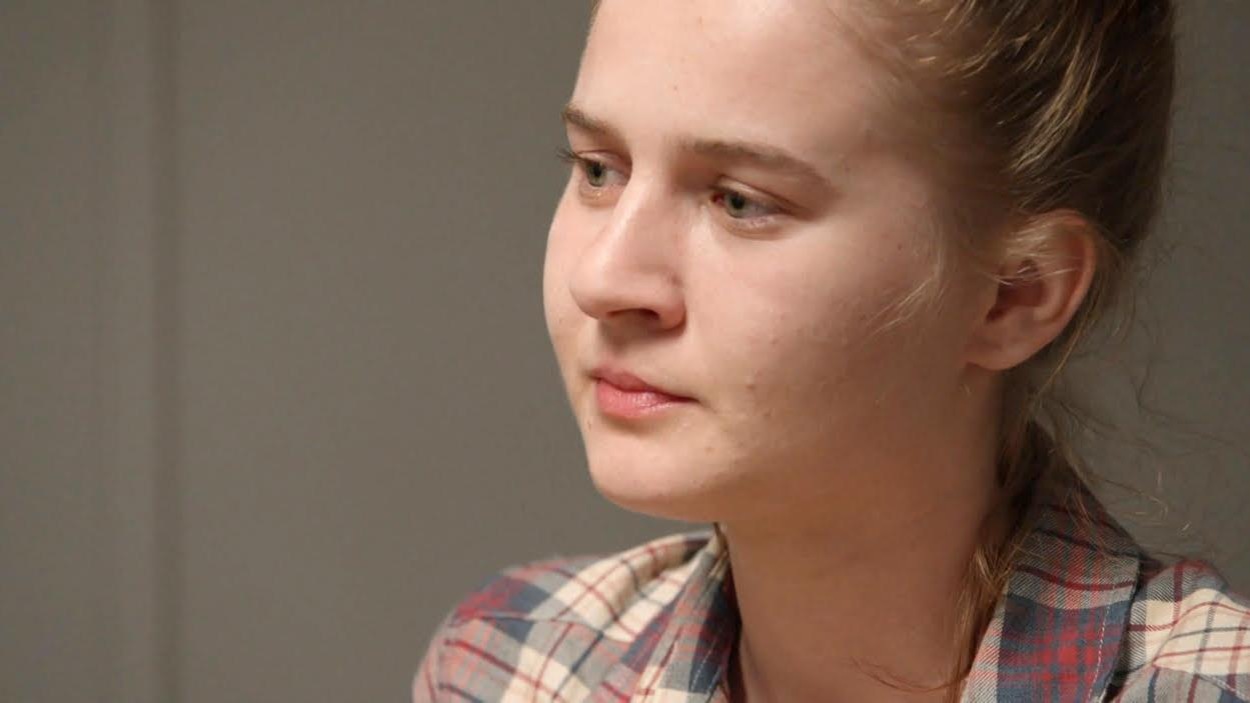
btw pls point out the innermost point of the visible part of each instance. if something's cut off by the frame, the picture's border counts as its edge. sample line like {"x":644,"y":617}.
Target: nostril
{"x":636,"y":303}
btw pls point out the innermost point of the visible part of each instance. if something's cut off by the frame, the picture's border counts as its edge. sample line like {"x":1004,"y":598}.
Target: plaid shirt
{"x":657,"y":623}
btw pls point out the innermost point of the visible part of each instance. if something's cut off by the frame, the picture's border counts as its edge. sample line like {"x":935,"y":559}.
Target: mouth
{"x":623,"y":395}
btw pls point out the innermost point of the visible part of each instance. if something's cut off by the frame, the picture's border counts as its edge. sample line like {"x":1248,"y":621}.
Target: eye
{"x":739,"y":206}
{"x":744,"y":211}
{"x":595,"y":173}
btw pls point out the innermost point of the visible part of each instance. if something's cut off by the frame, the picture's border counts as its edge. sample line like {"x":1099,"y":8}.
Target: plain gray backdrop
{"x":275,"y":388}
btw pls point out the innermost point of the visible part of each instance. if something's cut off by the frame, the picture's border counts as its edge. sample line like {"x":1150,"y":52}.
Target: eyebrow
{"x":761,"y":154}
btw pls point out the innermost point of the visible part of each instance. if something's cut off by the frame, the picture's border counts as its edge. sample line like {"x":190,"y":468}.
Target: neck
{"x":862,"y":604}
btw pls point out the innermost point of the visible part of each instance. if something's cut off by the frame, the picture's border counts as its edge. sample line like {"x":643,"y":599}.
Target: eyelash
{"x":720,"y":194}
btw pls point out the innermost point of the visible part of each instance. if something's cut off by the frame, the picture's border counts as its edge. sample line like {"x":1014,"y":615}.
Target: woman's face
{"x":739,"y":227}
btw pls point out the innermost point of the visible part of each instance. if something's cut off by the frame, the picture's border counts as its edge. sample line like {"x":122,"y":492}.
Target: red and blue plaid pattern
{"x":1086,"y":616}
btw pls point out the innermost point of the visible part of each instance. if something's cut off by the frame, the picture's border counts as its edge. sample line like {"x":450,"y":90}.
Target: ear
{"x":1038,"y":291}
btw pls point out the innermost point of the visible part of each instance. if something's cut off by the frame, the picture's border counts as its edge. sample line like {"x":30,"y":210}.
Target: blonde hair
{"x":1032,"y":110}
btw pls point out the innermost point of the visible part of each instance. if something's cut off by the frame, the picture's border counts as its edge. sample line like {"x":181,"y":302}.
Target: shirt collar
{"x":1055,"y":635}
{"x":691,"y":659}
{"x":1058,"y":629}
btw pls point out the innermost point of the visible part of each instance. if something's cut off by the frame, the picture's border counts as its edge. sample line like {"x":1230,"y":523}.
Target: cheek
{"x":796,"y":342}
{"x":558,"y":305}
{"x":807,"y":300}
{"x":791,"y":356}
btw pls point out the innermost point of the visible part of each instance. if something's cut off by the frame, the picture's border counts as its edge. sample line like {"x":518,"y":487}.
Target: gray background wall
{"x":274,"y":384}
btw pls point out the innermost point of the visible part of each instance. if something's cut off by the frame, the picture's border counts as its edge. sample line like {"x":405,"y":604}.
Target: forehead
{"x":778,"y":71}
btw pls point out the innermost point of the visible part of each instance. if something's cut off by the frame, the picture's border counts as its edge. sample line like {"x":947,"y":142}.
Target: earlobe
{"x":1036,"y":294}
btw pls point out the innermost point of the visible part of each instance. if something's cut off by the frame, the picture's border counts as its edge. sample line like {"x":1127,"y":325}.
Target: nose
{"x":628,"y":275}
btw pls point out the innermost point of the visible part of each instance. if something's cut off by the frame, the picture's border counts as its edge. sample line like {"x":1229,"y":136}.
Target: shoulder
{"x":1188,"y":637}
{"x":557,"y":625}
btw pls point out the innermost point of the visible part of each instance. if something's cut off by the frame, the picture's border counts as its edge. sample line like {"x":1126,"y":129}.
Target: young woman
{"x":814,"y":274}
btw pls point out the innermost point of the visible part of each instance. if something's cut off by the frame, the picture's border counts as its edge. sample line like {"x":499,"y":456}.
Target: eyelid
{"x":771,"y":206}
{"x":572,"y":157}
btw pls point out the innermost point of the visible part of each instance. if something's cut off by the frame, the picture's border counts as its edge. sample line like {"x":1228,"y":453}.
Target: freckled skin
{"x":800,"y":406}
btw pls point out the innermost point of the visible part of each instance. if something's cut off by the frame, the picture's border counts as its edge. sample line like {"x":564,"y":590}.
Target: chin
{"x":667,"y":490}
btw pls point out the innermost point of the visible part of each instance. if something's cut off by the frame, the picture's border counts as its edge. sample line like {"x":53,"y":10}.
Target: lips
{"x":622,"y":396}
{"x":628,"y":382}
